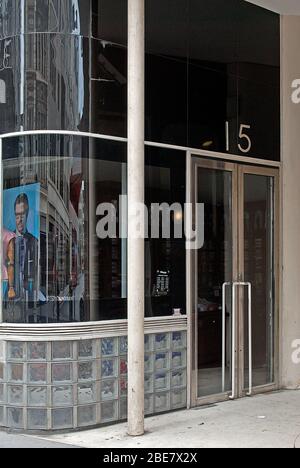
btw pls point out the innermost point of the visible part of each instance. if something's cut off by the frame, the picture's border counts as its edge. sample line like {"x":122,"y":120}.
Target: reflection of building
{"x":212,"y":84}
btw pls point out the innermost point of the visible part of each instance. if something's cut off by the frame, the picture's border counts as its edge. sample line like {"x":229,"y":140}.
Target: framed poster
{"x":21,"y":237}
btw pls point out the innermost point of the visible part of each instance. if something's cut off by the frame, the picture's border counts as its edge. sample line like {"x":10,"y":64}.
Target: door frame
{"x":238,"y":167}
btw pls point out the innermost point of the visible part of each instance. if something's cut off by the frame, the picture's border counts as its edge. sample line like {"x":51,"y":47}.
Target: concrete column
{"x":1,"y":231}
{"x":290,"y":301}
{"x":136,"y":188}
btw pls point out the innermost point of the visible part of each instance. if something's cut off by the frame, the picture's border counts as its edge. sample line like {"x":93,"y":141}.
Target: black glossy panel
{"x":165,"y":259}
{"x":166,"y":71}
{"x":166,"y":99}
{"x":109,"y":20}
{"x":259,"y":108}
{"x":109,"y":89}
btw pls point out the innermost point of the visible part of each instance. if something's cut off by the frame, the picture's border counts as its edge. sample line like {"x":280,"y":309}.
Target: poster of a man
{"x":8,"y":263}
{"x":21,"y":228}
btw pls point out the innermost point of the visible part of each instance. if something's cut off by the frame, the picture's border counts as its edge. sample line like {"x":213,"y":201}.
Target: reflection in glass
{"x":58,"y":87}
{"x":102,"y":19}
{"x":57,"y":267}
{"x":60,"y":270}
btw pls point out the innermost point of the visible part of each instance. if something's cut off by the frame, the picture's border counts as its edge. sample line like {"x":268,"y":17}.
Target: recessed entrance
{"x":235,"y":277}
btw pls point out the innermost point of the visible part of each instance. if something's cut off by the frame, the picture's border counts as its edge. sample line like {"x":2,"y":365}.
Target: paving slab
{"x":12,"y":440}
{"x":264,"y":421}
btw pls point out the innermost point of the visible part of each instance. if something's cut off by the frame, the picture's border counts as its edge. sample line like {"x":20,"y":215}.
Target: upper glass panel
{"x":102,"y":19}
{"x":209,"y":71}
{"x":212,"y":71}
{"x":63,"y":83}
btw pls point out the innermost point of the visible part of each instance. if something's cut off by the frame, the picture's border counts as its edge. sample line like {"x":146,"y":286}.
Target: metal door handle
{"x":224,"y":334}
{"x":234,"y":287}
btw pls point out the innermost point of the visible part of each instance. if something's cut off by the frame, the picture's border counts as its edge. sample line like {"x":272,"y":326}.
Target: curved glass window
{"x":64,"y":252}
{"x":55,"y":267}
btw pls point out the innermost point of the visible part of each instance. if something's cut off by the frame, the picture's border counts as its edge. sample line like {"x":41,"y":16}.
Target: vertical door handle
{"x":224,"y":335}
{"x":234,"y":288}
{"x":249,"y":286}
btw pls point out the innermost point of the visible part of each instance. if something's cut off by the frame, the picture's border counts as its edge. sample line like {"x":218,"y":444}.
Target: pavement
{"x":13,"y":440}
{"x":264,"y":421}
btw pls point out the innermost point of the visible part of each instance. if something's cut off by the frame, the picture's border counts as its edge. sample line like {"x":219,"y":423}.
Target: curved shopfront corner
{"x":212,"y":120}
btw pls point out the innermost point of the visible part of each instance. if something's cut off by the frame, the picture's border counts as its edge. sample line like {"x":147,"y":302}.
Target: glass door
{"x":214,"y":272}
{"x":234,"y":282}
{"x":258,"y":253}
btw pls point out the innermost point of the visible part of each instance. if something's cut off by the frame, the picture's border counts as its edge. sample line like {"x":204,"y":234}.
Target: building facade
{"x":221,"y":321}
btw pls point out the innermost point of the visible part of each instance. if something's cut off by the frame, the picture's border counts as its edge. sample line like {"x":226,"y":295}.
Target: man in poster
{"x":26,"y":251}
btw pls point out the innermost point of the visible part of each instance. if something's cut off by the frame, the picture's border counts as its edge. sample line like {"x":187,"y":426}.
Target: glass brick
{"x":161,"y":361}
{"x":1,"y":393}
{"x":123,"y":409}
{"x":148,"y":383}
{"x":37,"y":396}
{"x":37,"y":418}
{"x":15,"y":418}
{"x":109,"y":390}
{"x":162,"y":402}
{"x":62,"y":350}
{"x":37,"y":351}
{"x":123,"y":366}
{"x":86,"y":393}
{"x":109,"y":368}
{"x":178,"y":359}
{"x":16,"y":372}
{"x":15,"y":394}
{"x":86,"y":349}
{"x":178,"y":340}
{"x":37,"y":373}
{"x":62,"y":396}
{"x":62,"y":418}
{"x":2,"y":350}
{"x":178,"y":399}
{"x":16,"y":350}
{"x":123,"y":345}
{"x":162,"y":341}
{"x":2,"y":422}
{"x":149,"y":406}
{"x":1,"y":371}
{"x":123,"y":387}
{"x":162,"y":381}
{"x":86,"y":370}
{"x":109,"y":411}
{"x":61,"y":373}
{"x":86,"y":415}
{"x":109,"y":347}
{"x":148,"y":343}
{"x":148,"y":362}
{"x":178,"y":378}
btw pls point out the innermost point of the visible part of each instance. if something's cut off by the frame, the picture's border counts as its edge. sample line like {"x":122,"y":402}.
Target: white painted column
{"x":136,"y":189}
{"x":290,"y":303}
